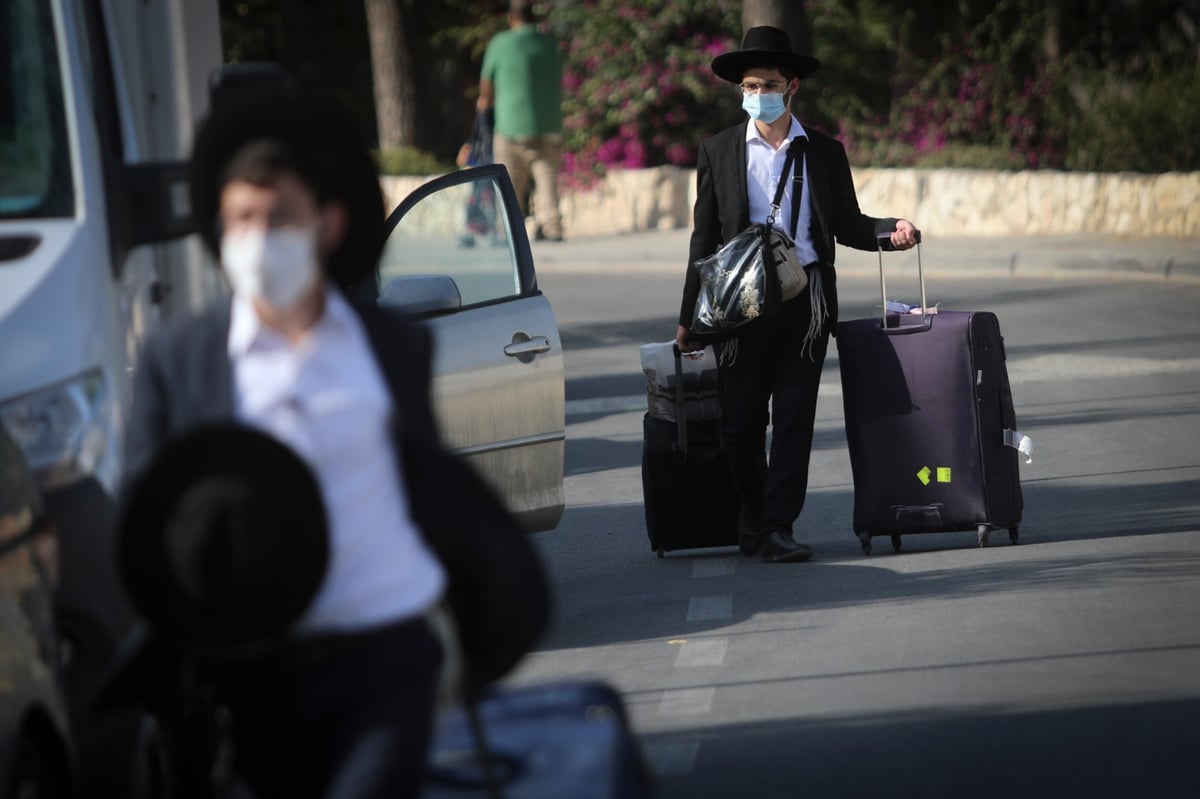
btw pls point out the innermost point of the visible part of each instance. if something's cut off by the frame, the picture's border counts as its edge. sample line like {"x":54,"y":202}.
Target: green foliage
{"x":638,"y":90}
{"x":1014,"y":84}
{"x":1144,"y":126}
{"x":965,"y":89}
{"x":966,"y":156}
{"x":410,"y":161}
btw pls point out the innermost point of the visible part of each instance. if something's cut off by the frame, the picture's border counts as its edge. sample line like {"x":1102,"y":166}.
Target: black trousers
{"x":338,"y":716}
{"x":767,"y":376}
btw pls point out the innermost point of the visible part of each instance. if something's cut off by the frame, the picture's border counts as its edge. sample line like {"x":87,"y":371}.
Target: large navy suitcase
{"x":553,"y":740}
{"x":687,"y":490}
{"x":930,"y":423}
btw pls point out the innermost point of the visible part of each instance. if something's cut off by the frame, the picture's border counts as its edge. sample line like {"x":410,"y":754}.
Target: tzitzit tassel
{"x":729,"y":351}
{"x":820,"y":311}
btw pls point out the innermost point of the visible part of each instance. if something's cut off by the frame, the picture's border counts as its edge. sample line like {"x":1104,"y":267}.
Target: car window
{"x":35,"y":173}
{"x":462,"y":231}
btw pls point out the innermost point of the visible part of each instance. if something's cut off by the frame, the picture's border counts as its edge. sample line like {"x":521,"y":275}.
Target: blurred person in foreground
{"x":778,"y":362}
{"x":341,"y":701}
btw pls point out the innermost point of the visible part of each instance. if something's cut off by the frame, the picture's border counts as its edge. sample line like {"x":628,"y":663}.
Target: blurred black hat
{"x":323,"y":135}
{"x":224,"y":540}
{"x":762,"y":46}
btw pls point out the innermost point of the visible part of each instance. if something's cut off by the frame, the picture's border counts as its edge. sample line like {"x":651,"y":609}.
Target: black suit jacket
{"x":722,"y":208}
{"x":497,"y":590}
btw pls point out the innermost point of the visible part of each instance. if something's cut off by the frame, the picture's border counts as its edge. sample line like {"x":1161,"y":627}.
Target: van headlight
{"x":64,"y":430}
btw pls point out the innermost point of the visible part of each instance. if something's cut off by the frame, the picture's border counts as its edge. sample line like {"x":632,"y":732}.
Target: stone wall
{"x":945,"y":202}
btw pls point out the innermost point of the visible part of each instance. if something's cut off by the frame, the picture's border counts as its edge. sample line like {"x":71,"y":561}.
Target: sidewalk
{"x":1112,"y":257}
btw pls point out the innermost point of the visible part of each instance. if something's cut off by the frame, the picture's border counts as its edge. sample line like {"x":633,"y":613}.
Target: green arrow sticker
{"x":923,"y":475}
{"x":943,"y":474}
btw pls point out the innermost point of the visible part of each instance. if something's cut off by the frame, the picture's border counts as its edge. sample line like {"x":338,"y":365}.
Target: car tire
{"x":38,"y":774}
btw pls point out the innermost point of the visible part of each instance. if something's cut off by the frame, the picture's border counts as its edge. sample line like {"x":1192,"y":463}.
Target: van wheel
{"x":34,"y":775}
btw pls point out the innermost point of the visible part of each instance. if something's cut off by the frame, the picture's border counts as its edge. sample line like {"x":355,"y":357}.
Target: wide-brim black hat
{"x":320,"y":131}
{"x":223,"y":541}
{"x":763,"y":45}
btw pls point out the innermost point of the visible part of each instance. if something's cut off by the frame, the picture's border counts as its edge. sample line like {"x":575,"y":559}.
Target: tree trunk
{"x":1052,"y":37}
{"x":787,"y":15}
{"x":392,"y":71}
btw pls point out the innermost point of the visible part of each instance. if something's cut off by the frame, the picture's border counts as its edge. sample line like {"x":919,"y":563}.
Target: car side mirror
{"x":159,"y":202}
{"x":424,"y":295}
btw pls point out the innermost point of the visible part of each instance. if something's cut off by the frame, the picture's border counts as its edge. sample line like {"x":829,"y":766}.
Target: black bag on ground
{"x":929,"y":424}
{"x":560,"y":739}
{"x":687,"y":490}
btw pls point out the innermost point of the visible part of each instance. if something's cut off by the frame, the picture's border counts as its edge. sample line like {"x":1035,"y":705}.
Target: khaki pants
{"x":538,"y":157}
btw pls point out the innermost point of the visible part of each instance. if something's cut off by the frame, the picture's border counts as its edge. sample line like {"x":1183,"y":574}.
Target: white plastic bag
{"x":699,"y":382}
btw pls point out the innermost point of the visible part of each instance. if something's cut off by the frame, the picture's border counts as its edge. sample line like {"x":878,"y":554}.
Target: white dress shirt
{"x":326,"y":398}
{"x":764,"y":165}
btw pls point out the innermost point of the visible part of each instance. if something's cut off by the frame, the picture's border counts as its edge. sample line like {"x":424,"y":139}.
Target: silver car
{"x":457,"y":256}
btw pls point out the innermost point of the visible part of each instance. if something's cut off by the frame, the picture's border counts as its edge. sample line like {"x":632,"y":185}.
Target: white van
{"x":98,"y":101}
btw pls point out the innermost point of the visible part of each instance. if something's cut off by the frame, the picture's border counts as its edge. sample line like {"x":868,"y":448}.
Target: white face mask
{"x":274,"y":266}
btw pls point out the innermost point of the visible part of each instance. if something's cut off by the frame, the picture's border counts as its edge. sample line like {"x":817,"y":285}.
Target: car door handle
{"x":525,"y":346}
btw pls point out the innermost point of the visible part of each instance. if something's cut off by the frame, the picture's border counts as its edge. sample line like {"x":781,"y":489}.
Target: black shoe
{"x":540,"y":235}
{"x":749,"y":542}
{"x":778,"y":546}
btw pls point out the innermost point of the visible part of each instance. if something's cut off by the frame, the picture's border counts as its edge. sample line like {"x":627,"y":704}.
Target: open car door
{"x":457,"y":257}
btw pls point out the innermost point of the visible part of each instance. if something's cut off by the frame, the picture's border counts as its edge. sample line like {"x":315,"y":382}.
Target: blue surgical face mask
{"x":764,"y":107}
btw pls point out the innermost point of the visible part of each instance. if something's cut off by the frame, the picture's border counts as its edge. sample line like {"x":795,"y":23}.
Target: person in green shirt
{"x":521,"y":83}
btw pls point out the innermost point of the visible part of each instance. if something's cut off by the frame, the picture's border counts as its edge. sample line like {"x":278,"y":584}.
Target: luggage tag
{"x":1020,"y":442}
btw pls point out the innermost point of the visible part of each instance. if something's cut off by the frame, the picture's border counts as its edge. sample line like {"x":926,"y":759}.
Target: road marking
{"x":672,"y":759}
{"x":722,"y":567}
{"x":686,"y":702}
{"x":701,"y":653}
{"x":585,"y":407}
{"x":710,"y":608}
{"x":1059,"y":367}
{"x":1063,"y":367}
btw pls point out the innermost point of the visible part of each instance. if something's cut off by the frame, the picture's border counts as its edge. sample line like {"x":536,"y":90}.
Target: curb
{"x":1051,"y":257}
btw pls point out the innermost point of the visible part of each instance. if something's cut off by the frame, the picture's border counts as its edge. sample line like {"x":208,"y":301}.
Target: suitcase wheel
{"x":895,"y":543}
{"x":660,"y":552}
{"x":1013,"y":535}
{"x":865,"y":540}
{"x":982,"y":532}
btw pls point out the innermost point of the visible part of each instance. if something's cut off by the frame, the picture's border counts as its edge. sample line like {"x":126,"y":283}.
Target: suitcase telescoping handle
{"x":925,"y":320}
{"x":680,"y":420}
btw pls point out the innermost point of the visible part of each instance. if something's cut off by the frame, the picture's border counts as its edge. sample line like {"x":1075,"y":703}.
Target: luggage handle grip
{"x":926,"y":321}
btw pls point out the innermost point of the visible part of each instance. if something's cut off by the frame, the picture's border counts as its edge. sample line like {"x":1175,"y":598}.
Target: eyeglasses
{"x":758,"y":86}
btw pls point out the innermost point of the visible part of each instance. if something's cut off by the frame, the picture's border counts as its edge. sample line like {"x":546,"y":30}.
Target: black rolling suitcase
{"x":687,"y":490}
{"x":929,"y":423}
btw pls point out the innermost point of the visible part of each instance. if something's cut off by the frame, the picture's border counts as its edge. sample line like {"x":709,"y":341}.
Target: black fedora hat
{"x":322,"y":133}
{"x":224,"y":540}
{"x":763,"y":46}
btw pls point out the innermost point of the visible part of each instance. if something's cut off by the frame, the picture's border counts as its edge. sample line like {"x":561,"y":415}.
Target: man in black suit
{"x":780,"y":360}
{"x":287,"y":196}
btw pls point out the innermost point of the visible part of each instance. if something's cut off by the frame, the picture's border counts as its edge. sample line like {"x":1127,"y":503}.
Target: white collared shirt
{"x":764,"y":164}
{"x":326,"y":398}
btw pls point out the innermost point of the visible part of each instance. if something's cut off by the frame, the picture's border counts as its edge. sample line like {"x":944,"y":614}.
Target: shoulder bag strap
{"x":799,"y":143}
{"x":787,"y":165}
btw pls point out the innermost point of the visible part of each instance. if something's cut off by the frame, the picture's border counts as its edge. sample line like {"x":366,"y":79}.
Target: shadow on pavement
{"x":1118,"y":750}
{"x":595,"y":542}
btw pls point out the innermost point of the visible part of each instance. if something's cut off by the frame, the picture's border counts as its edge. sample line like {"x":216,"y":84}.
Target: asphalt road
{"x":1067,"y":665}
